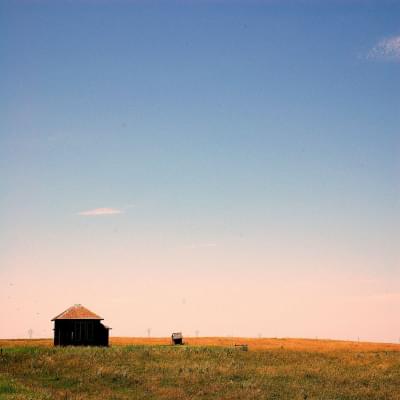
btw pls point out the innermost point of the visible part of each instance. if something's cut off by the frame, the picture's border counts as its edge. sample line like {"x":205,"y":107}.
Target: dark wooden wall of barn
{"x":78,"y":332}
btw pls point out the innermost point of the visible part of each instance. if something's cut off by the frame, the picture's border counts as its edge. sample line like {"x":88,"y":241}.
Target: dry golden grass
{"x":265,"y":344}
{"x":25,"y":342}
{"x":206,"y":368}
{"x":253,"y":343}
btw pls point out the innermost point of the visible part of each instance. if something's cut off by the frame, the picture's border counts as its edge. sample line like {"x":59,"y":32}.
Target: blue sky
{"x":218,"y":139}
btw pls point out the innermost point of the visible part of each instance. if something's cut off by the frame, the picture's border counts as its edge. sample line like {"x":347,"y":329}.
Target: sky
{"x":221,"y":168}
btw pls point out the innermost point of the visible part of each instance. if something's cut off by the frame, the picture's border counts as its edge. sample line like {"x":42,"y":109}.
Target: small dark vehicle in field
{"x":177,"y":338}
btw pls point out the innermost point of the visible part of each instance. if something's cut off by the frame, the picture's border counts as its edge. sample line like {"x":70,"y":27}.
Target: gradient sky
{"x":230,"y":167}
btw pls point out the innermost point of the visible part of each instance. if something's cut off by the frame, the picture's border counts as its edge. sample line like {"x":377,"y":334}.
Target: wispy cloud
{"x":100,"y":211}
{"x":386,"y":49}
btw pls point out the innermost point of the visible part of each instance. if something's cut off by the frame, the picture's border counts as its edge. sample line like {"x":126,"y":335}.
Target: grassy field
{"x":205,"y":368}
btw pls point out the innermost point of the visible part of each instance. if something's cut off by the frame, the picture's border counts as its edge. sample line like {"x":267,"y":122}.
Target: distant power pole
{"x":148,"y":332}
{"x":30,"y":333}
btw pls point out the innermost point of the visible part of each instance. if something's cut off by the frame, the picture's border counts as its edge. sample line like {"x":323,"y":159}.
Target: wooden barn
{"x":78,"y":326}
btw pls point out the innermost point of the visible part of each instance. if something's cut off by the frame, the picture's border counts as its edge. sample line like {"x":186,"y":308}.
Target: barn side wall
{"x":80,"y":332}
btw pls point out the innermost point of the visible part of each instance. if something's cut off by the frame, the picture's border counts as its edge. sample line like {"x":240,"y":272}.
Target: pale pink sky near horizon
{"x":210,"y":289}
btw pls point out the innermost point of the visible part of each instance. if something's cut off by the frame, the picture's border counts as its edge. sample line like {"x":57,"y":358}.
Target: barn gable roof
{"x":77,"y":311}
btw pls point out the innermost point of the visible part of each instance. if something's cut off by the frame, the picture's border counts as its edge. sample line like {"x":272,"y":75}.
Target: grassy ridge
{"x":194,"y":372}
